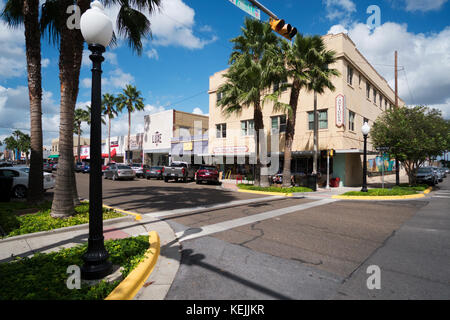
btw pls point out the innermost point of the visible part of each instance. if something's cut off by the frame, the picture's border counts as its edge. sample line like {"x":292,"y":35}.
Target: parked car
{"x":208,"y":174}
{"x":426,"y":175}
{"x":20,"y":183}
{"x":179,"y":171}
{"x":438,"y":173}
{"x":105,"y":167}
{"x":139,"y":169}
{"x":119,"y":171}
{"x":79,"y":167}
{"x":86,"y":168}
{"x":48,"y":167}
{"x":55,"y":166}
{"x":154,"y":172}
{"x":443,"y":172}
{"x":5,"y":164}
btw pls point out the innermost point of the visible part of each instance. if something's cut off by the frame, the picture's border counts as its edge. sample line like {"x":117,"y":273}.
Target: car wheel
{"x":148,"y":178}
{"x":198,"y":181}
{"x":166,"y":179}
{"x":185,"y":180}
{"x":20,"y":192}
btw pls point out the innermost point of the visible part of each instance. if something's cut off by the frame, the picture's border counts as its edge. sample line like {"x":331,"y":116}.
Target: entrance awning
{"x":53,"y":156}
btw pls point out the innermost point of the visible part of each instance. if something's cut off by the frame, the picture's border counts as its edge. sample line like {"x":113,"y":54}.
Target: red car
{"x":208,"y":174}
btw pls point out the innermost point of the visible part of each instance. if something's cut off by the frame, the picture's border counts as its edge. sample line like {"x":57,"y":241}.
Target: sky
{"x":191,"y":41}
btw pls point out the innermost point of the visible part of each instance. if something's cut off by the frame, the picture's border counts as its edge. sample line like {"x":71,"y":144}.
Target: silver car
{"x":119,"y":171}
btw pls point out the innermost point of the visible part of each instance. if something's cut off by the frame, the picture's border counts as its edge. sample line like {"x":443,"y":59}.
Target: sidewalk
{"x":44,"y":242}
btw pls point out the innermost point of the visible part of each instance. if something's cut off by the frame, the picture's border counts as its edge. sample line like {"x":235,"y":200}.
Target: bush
{"x":274,"y":189}
{"x":14,"y":225}
{"x":44,"y":276}
{"x":383,"y":192}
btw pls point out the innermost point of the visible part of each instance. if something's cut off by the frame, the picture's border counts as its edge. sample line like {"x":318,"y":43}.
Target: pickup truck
{"x":178,"y":171}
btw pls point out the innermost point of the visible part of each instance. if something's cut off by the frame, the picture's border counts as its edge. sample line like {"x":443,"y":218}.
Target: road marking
{"x":193,"y":233}
{"x":441,"y":197}
{"x":443,"y":192}
{"x":236,"y":203}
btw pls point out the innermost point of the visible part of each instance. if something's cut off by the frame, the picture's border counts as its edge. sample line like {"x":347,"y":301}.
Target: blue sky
{"x":191,"y":42}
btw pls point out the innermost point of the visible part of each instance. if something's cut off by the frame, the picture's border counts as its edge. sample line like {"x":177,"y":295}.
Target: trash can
{"x":6,"y":184}
{"x":311,"y":182}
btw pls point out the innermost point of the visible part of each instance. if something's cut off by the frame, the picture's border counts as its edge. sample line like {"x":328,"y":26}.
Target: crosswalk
{"x":444,"y":194}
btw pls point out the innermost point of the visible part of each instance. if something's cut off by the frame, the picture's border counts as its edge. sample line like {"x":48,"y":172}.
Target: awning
{"x":53,"y":156}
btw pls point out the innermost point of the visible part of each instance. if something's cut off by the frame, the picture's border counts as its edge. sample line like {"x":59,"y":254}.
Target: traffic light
{"x":284,"y":29}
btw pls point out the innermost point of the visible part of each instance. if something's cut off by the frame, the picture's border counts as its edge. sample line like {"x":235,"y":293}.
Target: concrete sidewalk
{"x":44,"y":242}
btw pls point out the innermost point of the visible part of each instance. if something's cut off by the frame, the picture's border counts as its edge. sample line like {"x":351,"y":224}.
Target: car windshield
{"x":424,"y":170}
{"x":136,"y":165}
{"x":179,"y":165}
{"x":156,"y":168}
{"x":123,"y":167}
{"x":207,"y":168}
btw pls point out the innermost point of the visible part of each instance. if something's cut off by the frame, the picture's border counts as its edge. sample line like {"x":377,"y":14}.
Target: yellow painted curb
{"x":130,"y":286}
{"x":267,"y":193}
{"x":137,"y":216}
{"x":411,"y":196}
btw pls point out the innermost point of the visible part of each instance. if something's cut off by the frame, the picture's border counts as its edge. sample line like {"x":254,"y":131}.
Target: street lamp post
{"x":365,"y":131}
{"x":97,"y":30}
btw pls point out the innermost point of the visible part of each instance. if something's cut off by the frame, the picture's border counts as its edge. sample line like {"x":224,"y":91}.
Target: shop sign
{"x":340,"y":111}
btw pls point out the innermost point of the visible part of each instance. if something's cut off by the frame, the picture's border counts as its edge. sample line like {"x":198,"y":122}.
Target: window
{"x":277,"y":86}
{"x":360,"y":79}
{"x":219,"y":96}
{"x":385,"y":104}
{"x":323,"y":119}
{"x":374,"y":96}
{"x":365,"y":120}
{"x":247,"y":128}
{"x":184,"y":132}
{"x":351,"y":120}
{"x":349,"y":75}
{"x":279,"y":123}
{"x":221,"y":130}
{"x":368,"y":90}
{"x":381,"y":101}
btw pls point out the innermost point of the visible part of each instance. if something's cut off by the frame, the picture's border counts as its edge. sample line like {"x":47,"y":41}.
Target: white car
{"x":20,"y":183}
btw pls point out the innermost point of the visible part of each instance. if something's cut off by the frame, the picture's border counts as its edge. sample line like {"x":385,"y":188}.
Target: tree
{"x":304,"y":63}
{"x":249,"y":75}
{"x":412,"y":135}
{"x":109,"y":109}
{"x":132,"y":101}
{"x":80,"y":116}
{"x":132,"y":25}
{"x":26,"y":12}
{"x":19,"y":142}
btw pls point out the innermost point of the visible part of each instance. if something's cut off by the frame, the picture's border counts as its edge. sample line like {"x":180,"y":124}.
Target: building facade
{"x":361,"y":94}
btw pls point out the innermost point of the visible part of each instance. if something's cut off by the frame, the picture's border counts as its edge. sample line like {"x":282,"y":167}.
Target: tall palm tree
{"x":321,"y":76}
{"x":26,"y":12}
{"x":132,"y":25}
{"x":247,"y":78}
{"x":109,"y":102}
{"x":301,"y":61}
{"x":80,"y":116}
{"x":132,"y":101}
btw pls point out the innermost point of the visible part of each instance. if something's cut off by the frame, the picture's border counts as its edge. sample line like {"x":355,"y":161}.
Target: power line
{"x":407,"y":83}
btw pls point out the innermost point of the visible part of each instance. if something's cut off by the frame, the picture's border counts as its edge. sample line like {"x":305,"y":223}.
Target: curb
{"x":267,"y":193}
{"x":137,"y":216}
{"x":411,"y":196}
{"x":130,"y":286}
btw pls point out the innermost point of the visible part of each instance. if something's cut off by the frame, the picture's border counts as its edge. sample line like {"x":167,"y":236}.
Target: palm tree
{"x":300,"y":63}
{"x":81,"y":115}
{"x":132,"y":101}
{"x":109,"y":110}
{"x":132,"y":25}
{"x":26,"y":12}
{"x":249,"y":75}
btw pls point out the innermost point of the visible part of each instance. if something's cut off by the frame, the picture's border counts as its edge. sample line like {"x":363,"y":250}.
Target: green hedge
{"x":274,"y":189}
{"x":44,"y":276}
{"x":382,"y":192}
{"x":14,"y":225}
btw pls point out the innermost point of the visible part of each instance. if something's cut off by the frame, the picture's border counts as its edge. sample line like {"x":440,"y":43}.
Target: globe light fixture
{"x":96,"y":28}
{"x":365,"y":131}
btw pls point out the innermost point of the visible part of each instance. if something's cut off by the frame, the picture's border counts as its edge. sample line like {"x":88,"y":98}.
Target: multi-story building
{"x":173,"y":134}
{"x":54,"y":153}
{"x":361,"y":94}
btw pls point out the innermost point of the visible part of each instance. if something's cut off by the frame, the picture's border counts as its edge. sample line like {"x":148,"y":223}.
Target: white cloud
{"x":152,"y":54}
{"x":340,"y":10}
{"x":425,"y":58}
{"x":45,"y":63}
{"x":424,"y":5}
{"x":12,"y":51}
{"x":115,"y":79}
{"x":197,"y":110}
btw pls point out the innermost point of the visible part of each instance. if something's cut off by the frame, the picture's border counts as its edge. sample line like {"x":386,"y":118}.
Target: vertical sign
{"x":247,"y":7}
{"x":340,"y":110}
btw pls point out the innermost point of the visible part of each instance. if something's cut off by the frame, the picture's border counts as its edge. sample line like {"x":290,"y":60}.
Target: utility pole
{"x":397,"y":163}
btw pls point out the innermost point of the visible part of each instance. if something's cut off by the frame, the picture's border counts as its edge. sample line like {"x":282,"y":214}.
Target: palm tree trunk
{"x":129,"y":132}
{"x":290,"y":133}
{"x":70,"y":54}
{"x":109,"y":139}
{"x":261,"y":178}
{"x":79,"y":142}
{"x":316,"y":135}
{"x":33,"y":54}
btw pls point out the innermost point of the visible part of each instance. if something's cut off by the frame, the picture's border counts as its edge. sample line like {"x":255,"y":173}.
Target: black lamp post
{"x":96,"y":28}
{"x":365,"y":131}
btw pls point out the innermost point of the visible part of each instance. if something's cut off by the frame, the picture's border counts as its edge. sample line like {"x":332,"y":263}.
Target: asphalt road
{"x":296,"y":248}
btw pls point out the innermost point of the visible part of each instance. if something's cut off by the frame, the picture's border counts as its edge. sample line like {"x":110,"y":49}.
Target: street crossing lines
{"x":193,"y":233}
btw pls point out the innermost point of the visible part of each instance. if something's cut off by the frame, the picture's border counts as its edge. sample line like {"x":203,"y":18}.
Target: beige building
{"x":361,"y":94}
{"x":54,"y":153}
